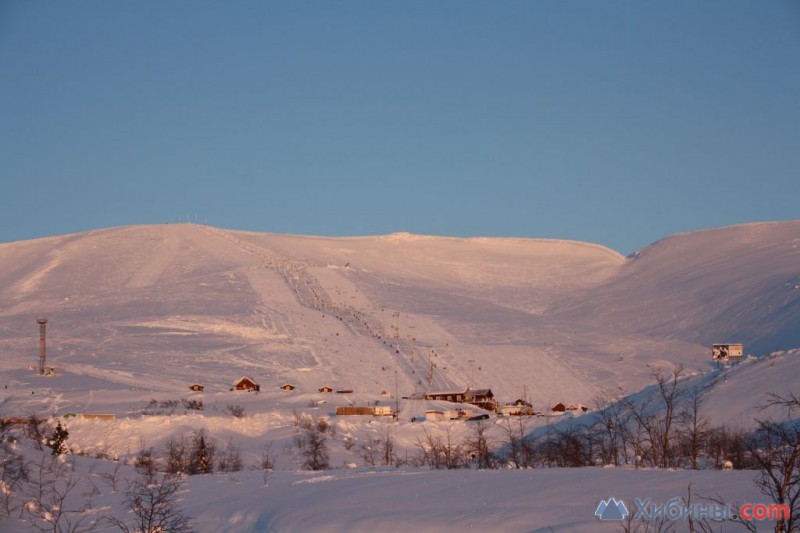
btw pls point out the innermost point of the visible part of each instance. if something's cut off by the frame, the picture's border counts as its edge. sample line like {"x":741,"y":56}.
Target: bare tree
{"x":693,"y":429}
{"x":749,"y":524}
{"x":37,"y":430}
{"x":177,"y":455}
{"x":518,"y":444}
{"x":611,"y":428}
{"x":479,"y":446}
{"x":266,"y":462}
{"x":728,"y":445}
{"x":428,"y":447}
{"x":453,"y":451}
{"x":315,"y":452}
{"x":440,"y":451}
{"x":387,"y":447}
{"x":658,"y":525}
{"x":775,"y":447}
{"x":311,"y":442}
{"x":154,"y":505}
{"x":790,"y":401}
{"x":654,"y":417}
{"x":111,"y":479}
{"x":145,"y":462}
{"x":51,"y":502}
{"x":370,"y":451}
{"x":13,"y":470}
{"x":230,"y":460}
{"x":669,"y":393}
{"x":641,"y":432}
{"x":696,"y":524}
{"x":570,"y":447}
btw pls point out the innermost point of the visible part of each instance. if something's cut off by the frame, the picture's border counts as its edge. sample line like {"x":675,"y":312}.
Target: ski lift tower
{"x":42,"y":345}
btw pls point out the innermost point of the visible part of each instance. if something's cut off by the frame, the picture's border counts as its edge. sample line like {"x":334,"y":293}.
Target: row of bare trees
{"x":47,"y":492}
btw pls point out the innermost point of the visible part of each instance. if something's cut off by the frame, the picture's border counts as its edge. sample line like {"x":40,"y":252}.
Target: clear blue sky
{"x":610,"y":122}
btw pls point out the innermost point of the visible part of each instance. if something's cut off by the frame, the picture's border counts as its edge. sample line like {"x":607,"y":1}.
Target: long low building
{"x":483,"y":398}
{"x":364,"y":410}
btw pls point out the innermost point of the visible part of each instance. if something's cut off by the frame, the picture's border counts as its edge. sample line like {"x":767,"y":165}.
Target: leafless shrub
{"x":154,"y":505}
{"x":160,"y":408}
{"x":192,"y":405}
{"x":311,"y":443}
{"x":266,"y":463}
{"x":13,"y":470}
{"x":440,"y":451}
{"x":519,"y":445}
{"x":775,"y":448}
{"x":230,"y":460}
{"x":235,"y":410}
{"x":49,"y":506}
{"x":176,"y":455}
{"x":478,"y":446}
{"x":146,"y":463}
{"x":370,"y":451}
{"x":37,"y":430}
{"x":112,"y":479}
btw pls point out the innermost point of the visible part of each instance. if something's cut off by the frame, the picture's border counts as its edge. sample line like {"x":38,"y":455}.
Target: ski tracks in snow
{"x":309,"y":293}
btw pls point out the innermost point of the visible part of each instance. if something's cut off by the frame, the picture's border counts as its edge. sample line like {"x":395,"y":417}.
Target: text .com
{"x":764,"y":511}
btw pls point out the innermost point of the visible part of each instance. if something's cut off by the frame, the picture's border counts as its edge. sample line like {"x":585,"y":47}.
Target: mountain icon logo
{"x":611,"y":509}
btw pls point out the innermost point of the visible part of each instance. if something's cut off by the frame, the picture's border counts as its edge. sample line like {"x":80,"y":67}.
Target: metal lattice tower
{"x":42,"y":345}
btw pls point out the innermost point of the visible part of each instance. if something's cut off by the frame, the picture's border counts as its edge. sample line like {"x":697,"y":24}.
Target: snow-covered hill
{"x":735,"y":284}
{"x":162,"y":306}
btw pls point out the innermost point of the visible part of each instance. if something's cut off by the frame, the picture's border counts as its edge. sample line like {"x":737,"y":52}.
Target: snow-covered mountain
{"x":160,"y":306}
{"x":136,"y":314}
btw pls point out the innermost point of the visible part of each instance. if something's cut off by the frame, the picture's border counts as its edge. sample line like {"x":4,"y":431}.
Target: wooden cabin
{"x":287,"y":387}
{"x":196,"y":387}
{"x":245,"y":383}
{"x":326,"y":389}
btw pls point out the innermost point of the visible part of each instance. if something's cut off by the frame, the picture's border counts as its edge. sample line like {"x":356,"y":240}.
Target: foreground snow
{"x":516,"y":500}
{"x":415,"y":500}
